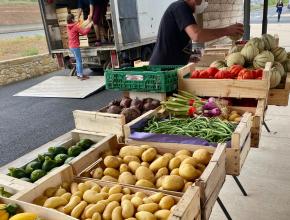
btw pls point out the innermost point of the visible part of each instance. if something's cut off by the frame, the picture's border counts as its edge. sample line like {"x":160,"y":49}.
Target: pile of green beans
{"x":210,"y":129}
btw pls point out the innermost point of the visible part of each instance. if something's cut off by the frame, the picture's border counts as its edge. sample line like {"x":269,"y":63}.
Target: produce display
{"x":131,"y":108}
{"x":144,"y":166}
{"x":4,"y":193}
{"x":89,"y":200}
{"x":13,"y":212}
{"x":55,"y":157}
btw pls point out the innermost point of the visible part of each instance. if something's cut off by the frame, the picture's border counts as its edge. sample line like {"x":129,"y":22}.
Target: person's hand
{"x":235,"y":29}
{"x":90,"y":18}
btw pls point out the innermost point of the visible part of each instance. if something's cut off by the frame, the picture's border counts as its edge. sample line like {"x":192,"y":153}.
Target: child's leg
{"x":79,"y":64}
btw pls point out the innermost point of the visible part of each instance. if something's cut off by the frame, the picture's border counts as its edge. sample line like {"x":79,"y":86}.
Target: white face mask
{"x":201,"y":8}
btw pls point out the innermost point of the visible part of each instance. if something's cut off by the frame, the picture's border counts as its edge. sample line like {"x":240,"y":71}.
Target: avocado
{"x":57,"y":150}
{"x":68,"y":160}
{"x":74,"y":151}
{"x":60,"y":158}
{"x":85,"y":143}
{"x":48,"y":164}
{"x":32,"y":166}
{"x":37,"y":174}
{"x":17,"y":172}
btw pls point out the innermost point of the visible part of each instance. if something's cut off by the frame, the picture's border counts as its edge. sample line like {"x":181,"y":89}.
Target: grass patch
{"x":30,"y":52}
{"x":18,"y":2}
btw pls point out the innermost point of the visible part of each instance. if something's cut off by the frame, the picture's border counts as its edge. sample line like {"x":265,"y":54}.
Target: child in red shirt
{"x":73,"y":30}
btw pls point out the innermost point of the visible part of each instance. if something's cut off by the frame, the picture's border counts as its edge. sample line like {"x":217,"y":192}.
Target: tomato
{"x":212,"y":71}
{"x":222,"y":74}
{"x":259,"y":73}
{"x":194,"y":74}
{"x":204,"y":74}
{"x":235,"y":69}
{"x":245,"y":74}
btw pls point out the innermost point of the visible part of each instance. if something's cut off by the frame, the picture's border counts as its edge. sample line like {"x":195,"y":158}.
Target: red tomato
{"x":212,"y":71}
{"x":246,"y":74}
{"x":222,"y":74}
{"x":194,"y":74}
{"x":204,"y":74}
{"x":235,"y":69}
{"x":259,"y":73}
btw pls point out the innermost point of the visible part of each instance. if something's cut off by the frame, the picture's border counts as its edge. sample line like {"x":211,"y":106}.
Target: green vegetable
{"x":17,"y":172}
{"x":41,"y":157}
{"x":12,"y":209}
{"x":37,"y":174}
{"x":85,"y":143}
{"x":48,"y":164}
{"x":32,"y":166}
{"x":26,"y":179}
{"x":60,"y":158}
{"x":3,"y":193}
{"x":74,"y":151}
{"x":57,"y":150}
{"x":68,"y":160}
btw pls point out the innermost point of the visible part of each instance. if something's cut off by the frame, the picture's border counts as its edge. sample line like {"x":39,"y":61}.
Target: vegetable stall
{"x":163,"y":150}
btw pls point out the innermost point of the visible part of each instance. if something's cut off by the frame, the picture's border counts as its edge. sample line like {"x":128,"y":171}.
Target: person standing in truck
{"x":93,"y":10}
{"x":74,"y":30}
{"x":178,"y":29}
{"x":279,"y":7}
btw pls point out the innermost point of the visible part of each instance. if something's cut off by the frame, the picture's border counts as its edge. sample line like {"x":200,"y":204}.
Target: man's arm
{"x":90,"y":16}
{"x":201,"y":35}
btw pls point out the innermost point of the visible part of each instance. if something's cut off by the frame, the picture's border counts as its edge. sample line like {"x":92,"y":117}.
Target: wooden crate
{"x":235,"y":155}
{"x":43,"y":213}
{"x":66,"y":140}
{"x":207,"y":59}
{"x":99,"y":121}
{"x":188,"y":207}
{"x":224,"y":87}
{"x":280,"y":97}
{"x":210,"y":182}
{"x":258,"y":114}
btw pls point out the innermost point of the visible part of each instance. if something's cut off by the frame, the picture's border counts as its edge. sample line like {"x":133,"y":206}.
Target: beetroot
{"x":115,"y":102}
{"x":125,"y":102}
{"x":137,"y":103}
{"x":147,"y":100}
{"x":148,"y":106}
{"x":136,"y":109}
{"x":155,"y":103}
{"x":130,"y":114}
{"x":114,"y":109}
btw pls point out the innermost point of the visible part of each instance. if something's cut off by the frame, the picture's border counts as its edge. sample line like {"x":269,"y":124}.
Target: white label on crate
{"x":134,"y":77}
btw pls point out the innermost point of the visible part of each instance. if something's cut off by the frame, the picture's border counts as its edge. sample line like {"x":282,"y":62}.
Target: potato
{"x":49,"y":192}
{"x":73,"y":202}
{"x":60,"y":192}
{"x":174,"y":163}
{"x":127,"y":209}
{"x":190,"y":160}
{"x":173,"y":183}
{"x":105,"y":189}
{"x":200,"y":167}
{"x":107,"y":214}
{"x":145,"y":146}
{"x":91,"y":196}
{"x":131,"y":218}
{"x":127,"y":178}
{"x":157,"y":197}
{"x":60,"y":209}
{"x":78,"y":210}
{"x":175,"y":171}
{"x":98,"y":173}
{"x":126,"y":197}
{"x":128,"y":159}
{"x":159,"y":181}
{"x":90,"y":184}
{"x":203,"y":156}
{"x":144,"y":173}
{"x":112,"y":162}
{"x":182,"y":157}
{"x":83,"y":216}
{"x":115,"y":189}
{"x":161,"y":172}
{"x":124,"y":168}
{"x":109,"y":178}
{"x":96,"y":216}
{"x":66,"y":186}
{"x":107,"y":153}
{"x":133,"y":165}
{"x":54,"y":202}
{"x":99,"y":207}
{"x":66,"y":196}
{"x":74,"y":187}
{"x":112,"y":172}
{"x":145,"y":164}
{"x":159,"y":163}
{"x":126,"y":191}
{"x":149,"y":154}
{"x":186,"y":186}
{"x":183,"y":152}
{"x":166,"y":202}
{"x":131,"y":151}
{"x":162,"y":214}
{"x":147,"y":200}
{"x":150,"y":207}
{"x":116,"y":197}
{"x":168,"y":155}
{"x":105,"y":195}
{"x":142,"y":195}
{"x":144,"y":183}
{"x":188,"y":172}
{"x":143,"y":215}
{"x":83,"y":187}
{"x":136,"y":201}
{"x":117,"y":213}
{"x":96,"y":188}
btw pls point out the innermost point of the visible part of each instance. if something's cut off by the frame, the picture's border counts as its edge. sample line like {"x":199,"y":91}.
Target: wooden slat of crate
{"x":224,"y":87}
{"x":43,"y":213}
{"x":280,"y":97}
{"x":207,"y":59}
{"x":61,"y":10}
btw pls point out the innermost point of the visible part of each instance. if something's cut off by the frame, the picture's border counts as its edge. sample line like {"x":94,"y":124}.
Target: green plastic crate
{"x":143,"y":79}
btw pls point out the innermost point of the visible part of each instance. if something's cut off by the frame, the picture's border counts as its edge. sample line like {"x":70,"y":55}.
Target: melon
{"x":275,"y":78}
{"x":235,"y":59}
{"x":261,"y":59}
{"x":235,"y":49}
{"x":280,"y":54}
{"x":249,"y":52}
{"x":218,"y":64}
{"x":258,"y":42}
{"x":280,"y":68}
{"x":269,"y":41}
{"x":286,"y":66}
{"x":288,"y":55}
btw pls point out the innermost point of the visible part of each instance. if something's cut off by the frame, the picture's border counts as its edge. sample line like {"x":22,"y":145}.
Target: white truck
{"x":132,"y":27}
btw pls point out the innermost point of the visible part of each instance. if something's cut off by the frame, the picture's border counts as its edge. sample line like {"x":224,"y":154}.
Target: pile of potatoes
{"x":90,"y":201}
{"x":143,"y":166}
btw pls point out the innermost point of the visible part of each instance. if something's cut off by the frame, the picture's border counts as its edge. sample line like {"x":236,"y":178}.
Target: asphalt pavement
{"x":27,"y":122}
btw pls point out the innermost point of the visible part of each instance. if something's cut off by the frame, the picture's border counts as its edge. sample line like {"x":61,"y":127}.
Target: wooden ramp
{"x":65,"y":87}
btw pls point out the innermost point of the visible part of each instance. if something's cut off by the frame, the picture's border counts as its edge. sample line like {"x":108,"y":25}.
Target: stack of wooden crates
{"x":85,"y":41}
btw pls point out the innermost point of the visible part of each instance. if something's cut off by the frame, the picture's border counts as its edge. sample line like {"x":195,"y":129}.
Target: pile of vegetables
{"x":132,"y":109}
{"x":4,"y":193}
{"x":211,"y":129}
{"x":254,"y":55}
{"x":144,"y":166}
{"x":55,"y":157}
{"x":13,"y":212}
{"x":89,"y":200}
